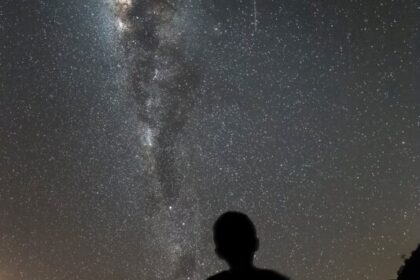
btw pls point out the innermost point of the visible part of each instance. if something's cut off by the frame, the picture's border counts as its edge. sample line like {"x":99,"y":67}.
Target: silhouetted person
{"x":236,"y":242}
{"x":411,"y":269}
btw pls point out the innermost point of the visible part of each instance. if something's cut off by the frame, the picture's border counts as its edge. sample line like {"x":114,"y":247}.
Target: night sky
{"x":128,"y":126}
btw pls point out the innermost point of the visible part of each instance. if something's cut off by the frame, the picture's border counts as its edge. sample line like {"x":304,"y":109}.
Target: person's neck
{"x":241,"y":267}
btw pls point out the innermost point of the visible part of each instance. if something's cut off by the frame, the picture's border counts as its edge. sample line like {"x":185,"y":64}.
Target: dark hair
{"x":235,"y":236}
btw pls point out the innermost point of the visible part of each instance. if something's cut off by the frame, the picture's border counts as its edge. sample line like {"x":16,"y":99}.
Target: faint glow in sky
{"x":121,"y":25}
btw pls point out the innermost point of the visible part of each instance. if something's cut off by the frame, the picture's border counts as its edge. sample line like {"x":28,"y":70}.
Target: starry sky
{"x":128,"y":126}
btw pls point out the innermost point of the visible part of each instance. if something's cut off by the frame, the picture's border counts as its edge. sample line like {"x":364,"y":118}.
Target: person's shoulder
{"x":271,"y":275}
{"x":219,"y":276}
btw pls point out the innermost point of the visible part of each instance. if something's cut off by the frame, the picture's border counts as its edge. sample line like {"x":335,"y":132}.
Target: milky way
{"x":162,"y":83}
{"x":128,"y":126}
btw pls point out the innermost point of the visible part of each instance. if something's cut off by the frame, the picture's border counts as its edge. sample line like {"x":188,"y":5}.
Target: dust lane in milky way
{"x":162,"y":82}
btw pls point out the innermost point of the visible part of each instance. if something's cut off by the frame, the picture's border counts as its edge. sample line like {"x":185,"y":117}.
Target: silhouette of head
{"x":235,"y":238}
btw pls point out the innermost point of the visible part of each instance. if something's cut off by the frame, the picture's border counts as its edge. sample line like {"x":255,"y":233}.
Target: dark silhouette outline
{"x":236,"y":242}
{"x":411,"y":268}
